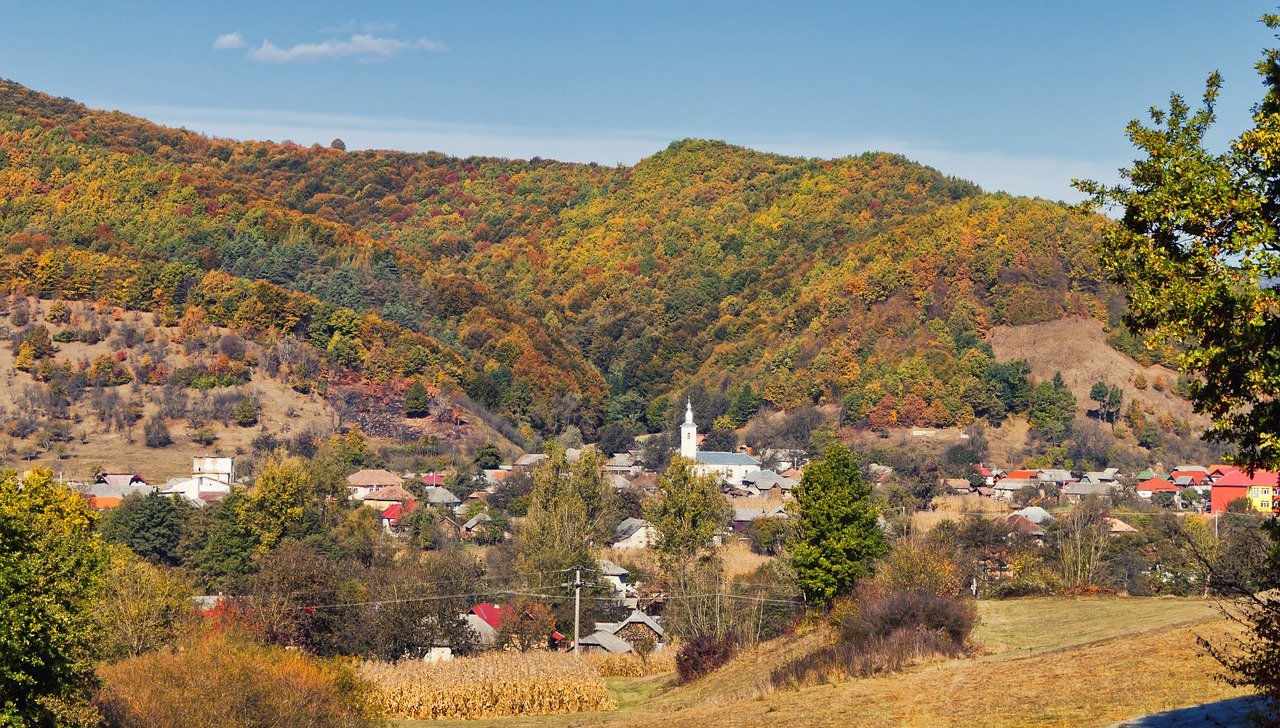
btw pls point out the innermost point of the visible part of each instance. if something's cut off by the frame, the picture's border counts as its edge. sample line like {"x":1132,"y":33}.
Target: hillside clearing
{"x":1078,"y":348}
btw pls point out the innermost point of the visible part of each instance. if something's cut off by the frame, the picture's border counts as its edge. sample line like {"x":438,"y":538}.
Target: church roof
{"x":726,"y":458}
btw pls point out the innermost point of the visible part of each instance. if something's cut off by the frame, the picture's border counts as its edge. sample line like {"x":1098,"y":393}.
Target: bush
{"x":155,"y":433}
{"x":879,"y":615}
{"x":222,"y":680}
{"x":878,"y":655}
{"x":882,"y":632}
{"x":246,"y":412}
{"x":703,"y":654}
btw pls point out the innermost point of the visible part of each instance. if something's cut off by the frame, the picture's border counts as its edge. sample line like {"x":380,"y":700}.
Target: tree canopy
{"x":52,"y":568}
{"x":838,"y":535}
{"x":1197,"y":252}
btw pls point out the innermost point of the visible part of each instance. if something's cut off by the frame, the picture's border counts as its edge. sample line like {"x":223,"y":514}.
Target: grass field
{"x":1044,"y":662}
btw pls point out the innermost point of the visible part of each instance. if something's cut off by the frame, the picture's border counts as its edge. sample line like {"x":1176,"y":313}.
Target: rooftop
{"x":726,"y":458}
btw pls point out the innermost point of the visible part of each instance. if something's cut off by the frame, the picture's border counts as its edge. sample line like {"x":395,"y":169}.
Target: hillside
{"x":1049,"y":661}
{"x":1078,"y":349}
{"x":561,"y":294}
{"x":86,"y":406}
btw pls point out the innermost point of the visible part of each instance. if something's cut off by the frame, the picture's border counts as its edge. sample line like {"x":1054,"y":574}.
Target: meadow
{"x":1039,"y":662}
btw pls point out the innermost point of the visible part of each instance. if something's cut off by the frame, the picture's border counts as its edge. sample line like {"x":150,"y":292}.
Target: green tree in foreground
{"x":150,"y":525}
{"x":687,"y":512}
{"x":51,"y":572}
{"x":1198,"y":255}
{"x":837,"y":531}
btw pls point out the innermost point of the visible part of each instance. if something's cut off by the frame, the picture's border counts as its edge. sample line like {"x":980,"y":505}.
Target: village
{"x":1020,"y":503}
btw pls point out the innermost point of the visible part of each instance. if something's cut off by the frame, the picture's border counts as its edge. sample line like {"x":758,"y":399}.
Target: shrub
{"x":155,"y":432}
{"x":878,"y":655}
{"x":703,"y":654}
{"x":223,"y":680}
{"x":246,"y":412}
{"x":58,"y":312}
{"x":883,"y":632}
{"x":879,"y":615}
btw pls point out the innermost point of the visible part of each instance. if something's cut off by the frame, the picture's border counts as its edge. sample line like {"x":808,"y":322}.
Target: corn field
{"x":489,"y":686}
{"x":630,"y":665}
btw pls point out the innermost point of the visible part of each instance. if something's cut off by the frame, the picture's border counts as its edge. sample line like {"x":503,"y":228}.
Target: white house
{"x":634,"y":533}
{"x":211,"y":478}
{"x":731,"y":467}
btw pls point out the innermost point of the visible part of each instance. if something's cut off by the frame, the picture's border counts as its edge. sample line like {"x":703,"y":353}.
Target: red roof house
{"x":1156,"y":485}
{"x":1222,"y":494}
{"x":1197,"y":477}
{"x":393,"y":514}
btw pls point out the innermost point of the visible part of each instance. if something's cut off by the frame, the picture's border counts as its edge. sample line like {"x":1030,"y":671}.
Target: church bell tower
{"x":689,"y":434}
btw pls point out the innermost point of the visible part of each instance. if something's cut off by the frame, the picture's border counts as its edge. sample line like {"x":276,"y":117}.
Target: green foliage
{"x":1109,"y":399}
{"x":143,"y":607}
{"x":40,"y":342}
{"x":571,"y":508}
{"x":151,"y":526}
{"x":616,"y":438}
{"x":416,"y":401}
{"x":837,"y":532}
{"x":488,"y":457}
{"x":51,"y":574}
{"x":246,"y":412}
{"x":196,"y":376}
{"x":687,"y":511}
{"x":1195,"y":252}
{"x":1053,"y":406}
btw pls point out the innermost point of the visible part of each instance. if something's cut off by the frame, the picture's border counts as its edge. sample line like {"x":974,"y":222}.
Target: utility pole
{"x":577,"y":606}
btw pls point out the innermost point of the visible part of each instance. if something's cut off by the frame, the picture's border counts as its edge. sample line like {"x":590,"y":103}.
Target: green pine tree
{"x":837,"y":531}
{"x":416,"y":401}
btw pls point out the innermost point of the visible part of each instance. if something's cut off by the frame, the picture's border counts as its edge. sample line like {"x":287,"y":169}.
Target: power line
{"x":536,"y":595}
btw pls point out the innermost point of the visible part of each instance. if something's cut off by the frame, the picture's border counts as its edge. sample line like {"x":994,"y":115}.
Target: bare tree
{"x":1083,"y":537}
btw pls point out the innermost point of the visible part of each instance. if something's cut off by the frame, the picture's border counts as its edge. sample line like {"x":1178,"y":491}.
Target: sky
{"x":1019,"y":96}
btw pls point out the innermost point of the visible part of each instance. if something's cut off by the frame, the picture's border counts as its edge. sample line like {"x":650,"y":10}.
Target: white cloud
{"x":229,"y":42}
{"x":1030,"y":175}
{"x":364,"y":46}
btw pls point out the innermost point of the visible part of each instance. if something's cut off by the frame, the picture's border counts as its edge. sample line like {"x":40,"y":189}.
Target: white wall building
{"x":731,"y":467}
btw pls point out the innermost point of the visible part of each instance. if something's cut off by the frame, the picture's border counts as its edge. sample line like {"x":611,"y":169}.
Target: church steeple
{"x":689,"y":433}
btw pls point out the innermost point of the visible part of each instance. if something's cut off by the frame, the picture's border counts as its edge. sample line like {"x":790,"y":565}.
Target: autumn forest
{"x":553,"y":295}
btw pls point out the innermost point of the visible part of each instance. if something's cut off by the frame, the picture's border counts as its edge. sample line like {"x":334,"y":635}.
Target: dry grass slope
{"x":1049,"y":662}
{"x":1078,"y":348}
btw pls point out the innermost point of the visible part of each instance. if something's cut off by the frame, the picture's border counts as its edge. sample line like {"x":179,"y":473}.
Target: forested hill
{"x":552,"y":293}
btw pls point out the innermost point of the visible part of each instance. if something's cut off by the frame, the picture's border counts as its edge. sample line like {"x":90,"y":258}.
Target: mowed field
{"x":1041,"y":662}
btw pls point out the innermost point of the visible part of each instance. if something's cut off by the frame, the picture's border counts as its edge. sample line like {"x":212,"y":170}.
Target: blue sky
{"x":1019,"y":96}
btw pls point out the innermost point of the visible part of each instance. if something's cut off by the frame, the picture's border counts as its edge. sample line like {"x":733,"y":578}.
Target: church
{"x":731,"y":467}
